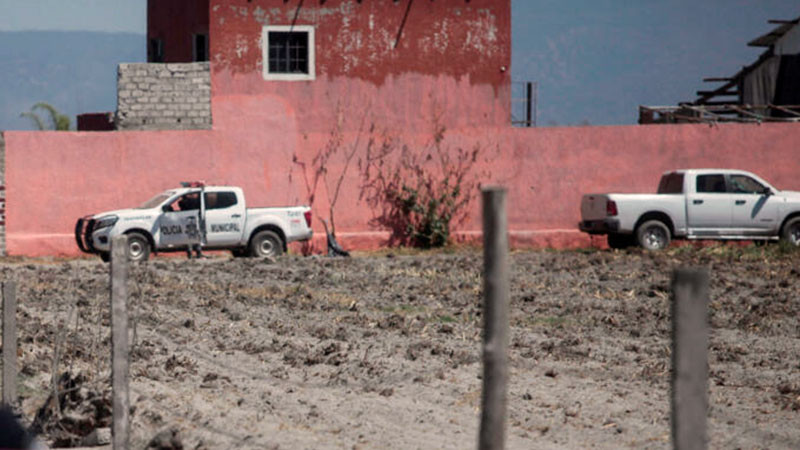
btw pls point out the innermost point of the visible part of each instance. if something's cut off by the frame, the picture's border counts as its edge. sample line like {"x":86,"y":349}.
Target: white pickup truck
{"x":214,"y":217}
{"x":695,"y":204}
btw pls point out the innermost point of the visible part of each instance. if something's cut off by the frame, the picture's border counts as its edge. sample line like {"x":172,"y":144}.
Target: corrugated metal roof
{"x":768,"y":39}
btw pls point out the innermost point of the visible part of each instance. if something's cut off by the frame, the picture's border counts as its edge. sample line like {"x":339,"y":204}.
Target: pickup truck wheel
{"x":653,"y":235}
{"x":266,"y":243}
{"x":620,"y":241}
{"x":791,"y":232}
{"x":138,"y":247}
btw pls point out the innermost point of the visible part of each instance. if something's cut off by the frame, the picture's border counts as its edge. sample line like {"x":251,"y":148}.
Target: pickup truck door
{"x":178,"y":225}
{"x":710,"y":206}
{"x":754,"y":211}
{"x":225,"y":217}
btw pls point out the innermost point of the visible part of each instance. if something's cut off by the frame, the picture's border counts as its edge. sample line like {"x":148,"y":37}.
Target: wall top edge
{"x":170,"y":66}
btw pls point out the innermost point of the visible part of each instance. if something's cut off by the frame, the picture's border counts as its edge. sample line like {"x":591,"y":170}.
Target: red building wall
{"x":53,"y":178}
{"x":400,"y":64}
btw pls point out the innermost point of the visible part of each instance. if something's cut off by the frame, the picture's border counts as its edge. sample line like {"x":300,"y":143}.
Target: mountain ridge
{"x":75,"y":71}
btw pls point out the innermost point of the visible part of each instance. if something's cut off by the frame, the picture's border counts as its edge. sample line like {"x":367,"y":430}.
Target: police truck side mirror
{"x":166,"y":208}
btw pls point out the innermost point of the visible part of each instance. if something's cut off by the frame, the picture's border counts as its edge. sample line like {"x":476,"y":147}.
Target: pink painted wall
{"x":53,"y":178}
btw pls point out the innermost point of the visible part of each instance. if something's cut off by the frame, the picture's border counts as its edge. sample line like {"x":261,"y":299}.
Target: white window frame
{"x":311,"y":75}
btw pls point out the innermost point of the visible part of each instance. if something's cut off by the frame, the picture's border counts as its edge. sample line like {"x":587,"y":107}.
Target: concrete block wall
{"x":171,"y":96}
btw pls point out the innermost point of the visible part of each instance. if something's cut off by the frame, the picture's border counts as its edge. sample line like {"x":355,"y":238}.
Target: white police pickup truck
{"x":213,"y":217}
{"x":695,"y":204}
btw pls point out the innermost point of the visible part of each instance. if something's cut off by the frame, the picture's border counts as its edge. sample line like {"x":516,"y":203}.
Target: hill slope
{"x":74,"y":71}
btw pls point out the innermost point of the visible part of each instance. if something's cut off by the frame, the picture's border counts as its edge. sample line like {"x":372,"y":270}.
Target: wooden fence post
{"x":495,"y":313}
{"x":119,"y":342}
{"x":689,"y":358}
{"x":10,"y":343}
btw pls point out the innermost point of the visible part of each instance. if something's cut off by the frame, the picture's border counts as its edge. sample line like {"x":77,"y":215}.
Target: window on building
{"x":288,"y":52}
{"x":200,"y":47}
{"x":155,"y":50}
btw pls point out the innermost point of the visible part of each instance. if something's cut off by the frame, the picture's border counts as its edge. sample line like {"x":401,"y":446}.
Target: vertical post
{"x":119,"y":342}
{"x":10,"y":343}
{"x":528,"y":103}
{"x":535,"y":103}
{"x":495,"y":313}
{"x":689,"y":358}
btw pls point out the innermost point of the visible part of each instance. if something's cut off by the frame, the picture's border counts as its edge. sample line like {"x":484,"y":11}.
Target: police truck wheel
{"x":653,"y":235}
{"x":266,"y":244}
{"x":138,"y":247}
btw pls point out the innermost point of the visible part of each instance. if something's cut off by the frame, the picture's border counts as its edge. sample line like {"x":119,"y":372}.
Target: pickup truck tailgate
{"x":593,"y":207}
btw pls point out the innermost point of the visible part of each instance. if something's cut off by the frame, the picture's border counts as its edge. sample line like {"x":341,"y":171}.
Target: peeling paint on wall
{"x":370,"y":41}
{"x":374,"y":43}
{"x":482,"y":33}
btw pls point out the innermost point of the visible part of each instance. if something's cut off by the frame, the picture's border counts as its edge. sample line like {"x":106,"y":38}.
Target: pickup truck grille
{"x":83,"y":234}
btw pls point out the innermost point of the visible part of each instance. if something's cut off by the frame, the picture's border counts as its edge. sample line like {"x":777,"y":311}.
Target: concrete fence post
{"x":495,"y":312}
{"x":689,"y":358}
{"x":10,"y":343}
{"x":119,"y":343}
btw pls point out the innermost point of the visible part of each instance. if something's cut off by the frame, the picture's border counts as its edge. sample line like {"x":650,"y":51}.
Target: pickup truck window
{"x":671,"y":184}
{"x":711,"y":183}
{"x":220,"y":200}
{"x":186,"y":202}
{"x":153,"y":202}
{"x":742,"y":184}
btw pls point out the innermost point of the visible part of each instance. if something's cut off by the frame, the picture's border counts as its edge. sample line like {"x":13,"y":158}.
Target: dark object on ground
{"x":166,"y":440}
{"x":333,"y":247}
{"x":77,"y":410}
{"x":12,"y":434}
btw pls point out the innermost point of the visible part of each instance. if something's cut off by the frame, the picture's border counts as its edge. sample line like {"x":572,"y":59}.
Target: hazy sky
{"x":74,"y":15}
{"x":596,"y":61}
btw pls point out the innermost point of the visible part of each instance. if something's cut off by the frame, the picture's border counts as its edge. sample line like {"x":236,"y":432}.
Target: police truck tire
{"x":138,"y":247}
{"x":266,"y":244}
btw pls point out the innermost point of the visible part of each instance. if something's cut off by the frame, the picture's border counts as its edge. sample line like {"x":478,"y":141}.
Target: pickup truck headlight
{"x":105,"y":222}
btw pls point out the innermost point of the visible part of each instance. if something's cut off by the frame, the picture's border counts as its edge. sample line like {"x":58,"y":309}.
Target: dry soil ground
{"x":383,"y":351}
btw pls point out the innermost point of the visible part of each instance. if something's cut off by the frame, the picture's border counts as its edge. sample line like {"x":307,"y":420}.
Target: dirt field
{"x":383,"y":351}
